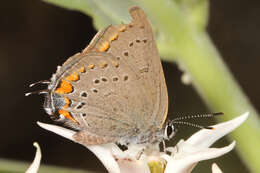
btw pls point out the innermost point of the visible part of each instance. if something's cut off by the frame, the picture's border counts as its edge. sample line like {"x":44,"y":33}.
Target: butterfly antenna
{"x":198,"y":116}
{"x":37,"y":92}
{"x":40,"y":82}
{"x":192,"y":125}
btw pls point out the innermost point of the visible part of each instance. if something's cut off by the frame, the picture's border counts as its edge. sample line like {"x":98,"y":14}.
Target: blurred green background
{"x":35,"y":37}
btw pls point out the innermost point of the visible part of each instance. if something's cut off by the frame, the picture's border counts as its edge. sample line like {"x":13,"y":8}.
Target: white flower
{"x":37,"y":160}
{"x":184,"y":156}
{"x":215,"y":168}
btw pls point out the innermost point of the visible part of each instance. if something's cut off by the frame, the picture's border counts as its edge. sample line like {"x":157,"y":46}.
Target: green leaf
{"x":104,"y":12}
{"x":10,"y":166}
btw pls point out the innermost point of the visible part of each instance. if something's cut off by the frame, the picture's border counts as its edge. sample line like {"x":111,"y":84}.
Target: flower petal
{"x":209,"y":153}
{"x":37,"y":160}
{"x":103,"y":152}
{"x":205,"y":138}
{"x":186,"y":163}
{"x":215,"y":168}
{"x":66,"y":133}
{"x":133,"y":166}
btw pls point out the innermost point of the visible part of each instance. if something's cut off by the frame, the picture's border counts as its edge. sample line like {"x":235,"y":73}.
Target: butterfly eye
{"x":169,"y":131}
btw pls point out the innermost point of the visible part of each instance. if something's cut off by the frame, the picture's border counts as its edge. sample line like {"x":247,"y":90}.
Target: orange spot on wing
{"x":65,"y":87}
{"x":91,"y":66}
{"x":67,"y":102}
{"x":73,"y":77}
{"x":82,"y":70}
{"x":67,"y":115}
{"x":104,"y":46}
{"x":122,"y":29}
{"x":113,"y":37}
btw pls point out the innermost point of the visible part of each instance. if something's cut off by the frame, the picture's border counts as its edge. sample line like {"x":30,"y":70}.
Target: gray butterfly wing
{"x":134,"y":44}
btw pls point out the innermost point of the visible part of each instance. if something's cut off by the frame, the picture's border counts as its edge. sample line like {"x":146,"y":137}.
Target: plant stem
{"x":196,"y":53}
{"x":221,"y":92}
